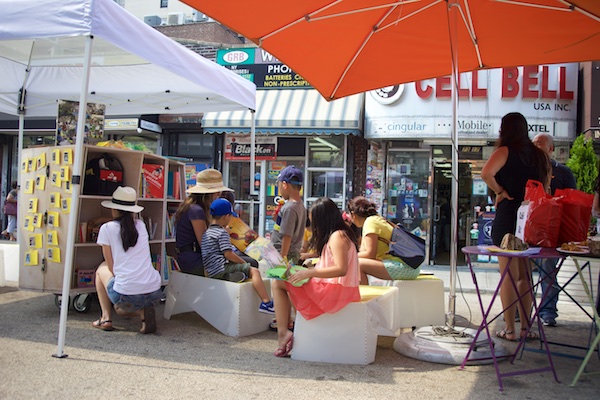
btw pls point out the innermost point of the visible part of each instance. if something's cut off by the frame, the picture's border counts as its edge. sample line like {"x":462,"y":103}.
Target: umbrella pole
{"x":75,"y":182}
{"x":454,"y":139}
{"x":448,"y":345}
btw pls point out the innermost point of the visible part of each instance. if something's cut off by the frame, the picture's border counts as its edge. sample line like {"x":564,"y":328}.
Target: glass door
{"x":248,"y":207}
{"x":408,"y":190}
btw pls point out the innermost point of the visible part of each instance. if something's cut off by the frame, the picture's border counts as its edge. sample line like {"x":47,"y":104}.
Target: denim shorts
{"x":132,"y":302}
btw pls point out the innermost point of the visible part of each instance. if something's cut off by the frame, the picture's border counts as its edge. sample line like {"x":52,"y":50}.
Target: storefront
{"x":409,"y":127}
{"x":293,"y":127}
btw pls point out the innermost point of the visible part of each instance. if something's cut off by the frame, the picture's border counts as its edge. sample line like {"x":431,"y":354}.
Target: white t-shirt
{"x":133,"y":270}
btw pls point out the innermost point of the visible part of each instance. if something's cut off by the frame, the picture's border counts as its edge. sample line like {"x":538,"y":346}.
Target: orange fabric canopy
{"x":349,"y":46}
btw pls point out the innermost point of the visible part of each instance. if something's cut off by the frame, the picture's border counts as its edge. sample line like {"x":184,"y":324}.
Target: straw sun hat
{"x":124,"y":199}
{"x":209,"y":181}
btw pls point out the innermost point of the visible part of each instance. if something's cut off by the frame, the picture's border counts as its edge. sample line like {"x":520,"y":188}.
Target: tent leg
{"x":77,"y":168}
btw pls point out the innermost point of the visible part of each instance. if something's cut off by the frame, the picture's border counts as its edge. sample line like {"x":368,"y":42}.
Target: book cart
{"x":45,"y":210}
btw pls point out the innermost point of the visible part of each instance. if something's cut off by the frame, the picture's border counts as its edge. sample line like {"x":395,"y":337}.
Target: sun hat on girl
{"x":124,"y":199}
{"x":208,"y":181}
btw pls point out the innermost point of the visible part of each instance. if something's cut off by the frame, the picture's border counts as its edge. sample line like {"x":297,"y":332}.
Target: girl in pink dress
{"x":333,"y":282}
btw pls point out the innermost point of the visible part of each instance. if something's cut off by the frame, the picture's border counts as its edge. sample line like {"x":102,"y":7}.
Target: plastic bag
{"x":542,"y":218}
{"x":577,"y":212}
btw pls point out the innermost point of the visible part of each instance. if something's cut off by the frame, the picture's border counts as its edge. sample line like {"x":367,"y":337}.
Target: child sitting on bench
{"x":218,"y":255}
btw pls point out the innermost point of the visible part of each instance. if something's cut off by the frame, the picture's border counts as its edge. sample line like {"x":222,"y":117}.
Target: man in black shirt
{"x":562,"y":178}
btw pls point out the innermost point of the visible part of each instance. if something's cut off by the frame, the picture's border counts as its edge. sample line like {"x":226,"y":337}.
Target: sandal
{"x":286,"y":349}
{"x":531,"y":335}
{"x":503,"y":334}
{"x":149,"y":320}
{"x":105,"y":325}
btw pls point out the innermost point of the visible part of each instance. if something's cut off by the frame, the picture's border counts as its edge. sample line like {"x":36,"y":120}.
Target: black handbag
{"x":103,"y":175}
{"x":406,"y":246}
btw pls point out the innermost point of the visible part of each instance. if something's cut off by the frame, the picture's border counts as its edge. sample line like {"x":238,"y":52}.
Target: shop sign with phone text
{"x":259,"y":66}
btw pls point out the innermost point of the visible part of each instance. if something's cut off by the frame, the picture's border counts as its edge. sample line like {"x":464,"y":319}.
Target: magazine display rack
{"x":45,"y":210}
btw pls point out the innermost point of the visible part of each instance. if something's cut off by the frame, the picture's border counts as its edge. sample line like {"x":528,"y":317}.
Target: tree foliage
{"x":584,"y":164}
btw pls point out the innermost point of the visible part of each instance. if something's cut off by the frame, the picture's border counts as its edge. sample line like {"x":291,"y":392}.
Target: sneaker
{"x":266,"y":308}
{"x":237,"y":277}
{"x":549,"y":321}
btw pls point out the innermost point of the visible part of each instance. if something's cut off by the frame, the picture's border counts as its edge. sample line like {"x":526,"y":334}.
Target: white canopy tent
{"x":95,"y":51}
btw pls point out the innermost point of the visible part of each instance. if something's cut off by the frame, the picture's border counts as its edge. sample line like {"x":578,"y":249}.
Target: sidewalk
{"x":188,"y":358}
{"x":487,"y":277}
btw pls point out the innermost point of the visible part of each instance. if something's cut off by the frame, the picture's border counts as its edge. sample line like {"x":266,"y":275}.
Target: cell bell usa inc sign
{"x":545,"y":94}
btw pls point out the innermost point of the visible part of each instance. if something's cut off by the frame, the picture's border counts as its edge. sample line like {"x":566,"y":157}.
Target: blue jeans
{"x":546,"y":267}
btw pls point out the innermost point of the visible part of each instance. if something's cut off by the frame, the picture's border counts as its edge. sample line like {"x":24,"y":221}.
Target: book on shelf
{"x":151,"y":226}
{"x":153,"y":181}
{"x":170,"y":265}
{"x":170,"y":223}
{"x":156,"y":262}
{"x":174,"y":185}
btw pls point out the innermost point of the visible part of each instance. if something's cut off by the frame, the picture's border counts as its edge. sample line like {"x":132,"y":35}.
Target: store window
{"x":326,"y":151}
{"x":326,"y":184}
{"x":326,"y":172}
{"x":195,"y":145}
{"x":291,"y":147}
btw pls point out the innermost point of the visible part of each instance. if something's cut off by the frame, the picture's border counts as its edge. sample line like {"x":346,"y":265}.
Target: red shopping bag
{"x":577,"y":212}
{"x":542,"y":217}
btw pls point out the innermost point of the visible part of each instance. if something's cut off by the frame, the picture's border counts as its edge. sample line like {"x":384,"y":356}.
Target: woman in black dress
{"x":515,"y":160}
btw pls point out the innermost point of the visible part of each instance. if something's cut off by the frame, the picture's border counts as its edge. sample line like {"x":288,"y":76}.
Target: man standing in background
{"x":562,"y":178}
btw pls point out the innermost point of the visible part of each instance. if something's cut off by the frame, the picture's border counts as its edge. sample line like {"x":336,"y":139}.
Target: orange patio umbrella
{"x":343,"y":47}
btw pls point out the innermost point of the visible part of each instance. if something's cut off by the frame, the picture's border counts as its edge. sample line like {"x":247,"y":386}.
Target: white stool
{"x":420,"y":302}
{"x":348,"y":336}
{"x":232,"y":308}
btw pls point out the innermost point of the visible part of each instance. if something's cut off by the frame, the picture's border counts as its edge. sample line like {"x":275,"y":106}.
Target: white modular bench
{"x":420,"y":302}
{"x":348,"y":336}
{"x":232,"y":308}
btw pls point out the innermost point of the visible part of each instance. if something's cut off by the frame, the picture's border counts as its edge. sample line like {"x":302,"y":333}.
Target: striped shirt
{"x":215,"y":242}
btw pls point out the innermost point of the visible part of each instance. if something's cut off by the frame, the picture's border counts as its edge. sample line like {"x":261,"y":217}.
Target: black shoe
{"x":149,"y":320}
{"x":549,"y":321}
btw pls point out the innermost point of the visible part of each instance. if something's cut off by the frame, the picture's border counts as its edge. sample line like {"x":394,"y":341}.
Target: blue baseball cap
{"x":291,"y":174}
{"x":221,"y":207}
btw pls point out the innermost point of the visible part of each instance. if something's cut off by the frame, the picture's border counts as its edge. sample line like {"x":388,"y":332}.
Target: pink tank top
{"x":352,"y":277}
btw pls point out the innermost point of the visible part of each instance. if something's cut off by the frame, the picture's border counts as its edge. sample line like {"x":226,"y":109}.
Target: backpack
{"x":103,"y":175}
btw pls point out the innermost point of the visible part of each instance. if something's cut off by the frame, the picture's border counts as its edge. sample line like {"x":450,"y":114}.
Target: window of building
{"x":291,"y":147}
{"x":326,"y":171}
{"x":195,"y":145}
{"x":164,"y":3}
{"x":326,"y":151}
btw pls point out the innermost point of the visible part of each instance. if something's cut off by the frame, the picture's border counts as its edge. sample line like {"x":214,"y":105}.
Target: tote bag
{"x":406,"y":246}
{"x":10,"y":208}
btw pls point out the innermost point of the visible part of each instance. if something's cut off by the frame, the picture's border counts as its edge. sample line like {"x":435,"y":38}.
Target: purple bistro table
{"x":487,"y":318}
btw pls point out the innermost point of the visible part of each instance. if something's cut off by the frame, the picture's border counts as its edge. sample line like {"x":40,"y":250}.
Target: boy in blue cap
{"x":218,"y":255}
{"x":288,"y":231}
